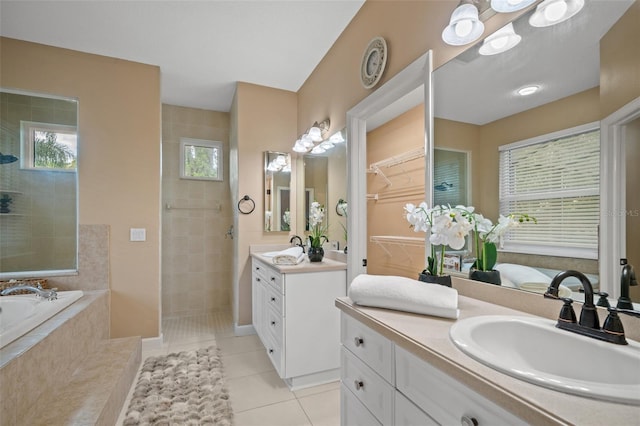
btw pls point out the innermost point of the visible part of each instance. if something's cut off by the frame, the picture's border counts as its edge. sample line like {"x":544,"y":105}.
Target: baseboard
{"x":243,"y":330}
{"x":152,"y":343}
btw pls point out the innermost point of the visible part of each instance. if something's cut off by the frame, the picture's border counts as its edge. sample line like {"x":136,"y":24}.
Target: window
{"x":556,"y":179}
{"x":200,"y":159}
{"x":47,"y":146}
{"x":450,"y":177}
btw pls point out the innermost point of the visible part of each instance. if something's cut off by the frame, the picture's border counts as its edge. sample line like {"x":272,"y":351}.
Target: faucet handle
{"x":603,"y":301}
{"x":567,"y":314}
{"x":613,"y":325}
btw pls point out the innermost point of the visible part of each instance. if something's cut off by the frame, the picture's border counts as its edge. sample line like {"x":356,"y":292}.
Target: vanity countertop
{"x":305,"y":266}
{"x":428,"y":338}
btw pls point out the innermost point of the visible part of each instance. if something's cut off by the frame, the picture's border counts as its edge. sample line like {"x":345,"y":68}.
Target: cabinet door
{"x":445,"y":399}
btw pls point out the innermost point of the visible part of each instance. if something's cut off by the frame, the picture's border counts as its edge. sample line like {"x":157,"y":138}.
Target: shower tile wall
{"x":196,"y":255}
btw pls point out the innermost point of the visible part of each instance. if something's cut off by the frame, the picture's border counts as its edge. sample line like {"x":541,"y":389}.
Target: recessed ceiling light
{"x":528,"y":90}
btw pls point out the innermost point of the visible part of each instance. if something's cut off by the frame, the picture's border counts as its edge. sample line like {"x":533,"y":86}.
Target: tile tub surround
{"x":428,"y":338}
{"x":39,"y":363}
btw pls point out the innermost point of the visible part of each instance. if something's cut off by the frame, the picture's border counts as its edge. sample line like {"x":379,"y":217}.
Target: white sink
{"x":534,"y":350}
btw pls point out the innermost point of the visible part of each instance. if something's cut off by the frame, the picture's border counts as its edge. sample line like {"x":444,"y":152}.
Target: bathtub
{"x":22,"y":313}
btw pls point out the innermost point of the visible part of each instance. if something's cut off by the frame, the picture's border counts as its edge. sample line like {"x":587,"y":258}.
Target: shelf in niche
{"x":10,"y":191}
{"x":10,"y":214}
{"x":408,"y":192}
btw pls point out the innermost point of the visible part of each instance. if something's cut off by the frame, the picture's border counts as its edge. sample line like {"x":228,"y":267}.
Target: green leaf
{"x":489,"y":256}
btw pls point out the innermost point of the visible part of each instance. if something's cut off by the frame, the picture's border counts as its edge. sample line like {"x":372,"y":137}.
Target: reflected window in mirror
{"x":556,"y":179}
{"x":450,"y":177}
{"x":38,"y":185}
{"x":277,"y":192}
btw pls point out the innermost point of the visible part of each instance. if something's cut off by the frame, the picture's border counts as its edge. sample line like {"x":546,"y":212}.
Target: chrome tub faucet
{"x":39,"y":291}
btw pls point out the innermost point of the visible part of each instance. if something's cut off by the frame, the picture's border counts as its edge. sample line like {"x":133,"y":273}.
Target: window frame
{"x":202,"y":143}
{"x":563,"y":250}
{"x":27,"y":143}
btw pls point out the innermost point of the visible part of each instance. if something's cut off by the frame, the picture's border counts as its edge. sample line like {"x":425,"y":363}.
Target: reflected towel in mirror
{"x":404,"y":294}
{"x":290,"y":256}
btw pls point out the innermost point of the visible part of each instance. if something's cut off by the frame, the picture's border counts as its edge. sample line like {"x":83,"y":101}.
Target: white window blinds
{"x":556,"y":179}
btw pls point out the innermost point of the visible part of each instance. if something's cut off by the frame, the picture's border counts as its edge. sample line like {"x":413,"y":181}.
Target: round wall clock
{"x":374,"y":60}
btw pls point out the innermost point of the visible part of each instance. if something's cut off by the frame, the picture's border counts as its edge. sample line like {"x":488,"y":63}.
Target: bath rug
{"x":185,"y":388}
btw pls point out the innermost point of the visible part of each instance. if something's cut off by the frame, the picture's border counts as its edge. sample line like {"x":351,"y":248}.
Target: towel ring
{"x":246,"y":205}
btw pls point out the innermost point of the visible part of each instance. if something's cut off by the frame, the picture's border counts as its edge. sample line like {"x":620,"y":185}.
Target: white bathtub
{"x":22,"y":313}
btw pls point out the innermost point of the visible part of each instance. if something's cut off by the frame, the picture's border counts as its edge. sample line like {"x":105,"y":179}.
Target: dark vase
{"x":315,"y":254}
{"x":491,"y":277}
{"x":444,"y":280}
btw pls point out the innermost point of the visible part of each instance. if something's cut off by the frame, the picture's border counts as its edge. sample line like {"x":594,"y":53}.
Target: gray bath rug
{"x":185,"y":388}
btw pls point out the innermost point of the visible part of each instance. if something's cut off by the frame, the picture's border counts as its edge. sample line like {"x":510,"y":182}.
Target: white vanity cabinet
{"x":296,"y":320}
{"x":385,"y":384}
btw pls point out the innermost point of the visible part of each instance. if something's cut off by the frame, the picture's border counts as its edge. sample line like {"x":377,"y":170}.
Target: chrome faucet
{"x":299,"y":244}
{"x":589,"y":324}
{"x":627,"y":279}
{"x":39,"y":291}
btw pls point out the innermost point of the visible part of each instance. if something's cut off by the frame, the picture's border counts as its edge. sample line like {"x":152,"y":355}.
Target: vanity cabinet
{"x":295,"y":317}
{"x":386,"y":383}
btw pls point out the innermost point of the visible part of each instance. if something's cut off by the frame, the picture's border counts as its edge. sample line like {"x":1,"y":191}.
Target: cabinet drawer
{"x":275,"y":353}
{"x":352,"y":412}
{"x":274,"y":279}
{"x":407,"y":414}
{"x":275,"y":299}
{"x":370,"y":389}
{"x":259,"y":270}
{"x":443,"y":398}
{"x":274,"y":323}
{"x":371,"y":347}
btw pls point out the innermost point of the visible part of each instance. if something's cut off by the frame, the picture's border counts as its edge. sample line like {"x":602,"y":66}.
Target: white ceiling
{"x":202,"y":47}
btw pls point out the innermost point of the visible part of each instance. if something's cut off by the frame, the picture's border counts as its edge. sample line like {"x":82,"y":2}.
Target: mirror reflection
{"x":277,"y":191}
{"x":477,"y":108}
{"x":38,"y":184}
{"x":325,"y":181}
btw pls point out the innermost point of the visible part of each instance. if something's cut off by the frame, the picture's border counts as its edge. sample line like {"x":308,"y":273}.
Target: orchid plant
{"x":317,"y":230}
{"x":486,"y":235}
{"x":448,"y":226}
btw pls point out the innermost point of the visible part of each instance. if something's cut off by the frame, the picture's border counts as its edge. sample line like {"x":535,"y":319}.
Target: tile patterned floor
{"x":258,"y":396}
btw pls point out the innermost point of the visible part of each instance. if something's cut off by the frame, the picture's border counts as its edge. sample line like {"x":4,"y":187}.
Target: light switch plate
{"x":138,"y":234}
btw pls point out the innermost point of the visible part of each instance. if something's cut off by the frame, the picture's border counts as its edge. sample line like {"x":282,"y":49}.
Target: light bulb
{"x":555,"y":11}
{"x":463,"y":27}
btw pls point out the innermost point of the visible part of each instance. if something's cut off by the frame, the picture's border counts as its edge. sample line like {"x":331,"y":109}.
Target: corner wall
{"x":118,"y":162}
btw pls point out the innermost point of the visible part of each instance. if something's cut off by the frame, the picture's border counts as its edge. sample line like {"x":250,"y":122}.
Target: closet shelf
{"x":410,"y":192}
{"x":393,"y":240}
{"x":395,"y":160}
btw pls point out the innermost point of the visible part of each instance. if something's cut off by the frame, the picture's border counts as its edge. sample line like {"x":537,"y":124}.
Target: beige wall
{"x":118,"y":165}
{"x":196,"y":255}
{"x":620,"y":62}
{"x":264,"y":119}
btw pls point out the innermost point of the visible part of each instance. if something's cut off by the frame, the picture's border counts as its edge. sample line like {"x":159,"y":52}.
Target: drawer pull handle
{"x":468,"y":421}
{"x":258,"y":279}
{"x":359,"y":341}
{"x":273,"y":299}
{"x":359,"y":384}
{"x":273,"y":278}
{"x":270,"y":351}
{"x":273,"y":323}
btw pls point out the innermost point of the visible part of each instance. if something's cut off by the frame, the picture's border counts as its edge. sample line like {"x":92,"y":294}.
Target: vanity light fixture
{"x":500,"y":41}
{"x":551,"y":12}
{"x":337,"y":137}
{"x":528,"y":90}
{"x":279,"y":164}
{"x":507,"y":6}
{"x":465,"y":25}
{"x":311,"y":137}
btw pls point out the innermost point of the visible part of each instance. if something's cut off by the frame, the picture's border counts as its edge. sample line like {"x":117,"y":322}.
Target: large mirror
{"x":476,"y":95}
{"x":325,"y":178}
{"x":38,"y":184}
{"x":277,"y":192}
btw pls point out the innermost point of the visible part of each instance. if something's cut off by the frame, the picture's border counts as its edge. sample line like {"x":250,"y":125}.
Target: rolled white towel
{"x":290,"y":256}
{"x":404,"y":294}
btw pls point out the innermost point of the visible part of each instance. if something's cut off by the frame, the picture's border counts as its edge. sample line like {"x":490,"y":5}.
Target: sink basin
{"x":534,"y":350}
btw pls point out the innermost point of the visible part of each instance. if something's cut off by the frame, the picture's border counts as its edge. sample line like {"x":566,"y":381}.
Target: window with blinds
{"x":556,"y":179}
